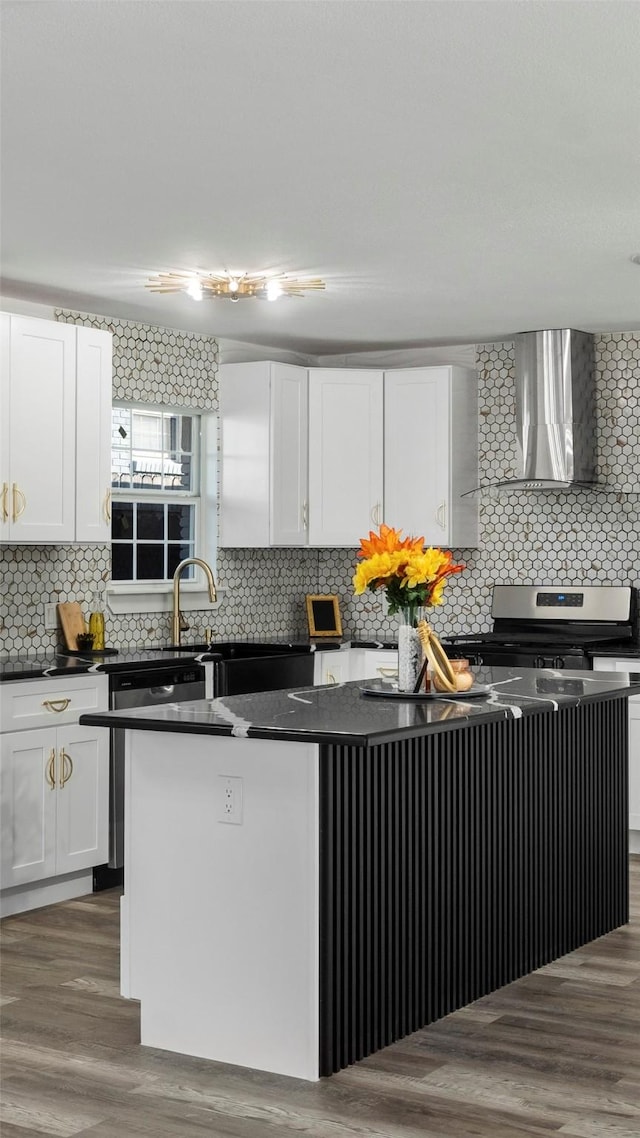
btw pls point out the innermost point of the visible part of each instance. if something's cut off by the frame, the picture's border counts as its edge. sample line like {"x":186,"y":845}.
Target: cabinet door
{"x":374,"y":663}
{"x":82,"y":798}
{"x":417,"y":453}
{"x":332,"y":667}
{"x":27,"y":806}
{"x":289,"y":455}
{"x":41,"y":413}
{"x":345,"y":455}
{"x":93,"y":435}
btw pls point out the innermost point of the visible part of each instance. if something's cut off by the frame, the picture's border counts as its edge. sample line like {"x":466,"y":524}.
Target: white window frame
{"x":156,"y":596}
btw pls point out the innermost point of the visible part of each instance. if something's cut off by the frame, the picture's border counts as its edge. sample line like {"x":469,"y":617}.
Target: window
{"x":156,"y":493}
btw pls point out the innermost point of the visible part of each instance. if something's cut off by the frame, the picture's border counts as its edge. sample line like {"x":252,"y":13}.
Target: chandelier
{"x":233,"y":286}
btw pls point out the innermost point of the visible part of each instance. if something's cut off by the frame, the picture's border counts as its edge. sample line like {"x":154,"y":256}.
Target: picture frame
{"x":323,"y":615}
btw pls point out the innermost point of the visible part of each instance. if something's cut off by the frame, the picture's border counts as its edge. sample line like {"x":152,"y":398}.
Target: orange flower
{"x":388,"y":541}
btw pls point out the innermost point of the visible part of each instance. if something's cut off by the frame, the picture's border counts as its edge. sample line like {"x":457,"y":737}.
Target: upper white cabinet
{"x":264,"y":412}
{"x":398,"y":446}
{"x":55,"y":406}
{"x":93,"y":434}
{"x":431,"y":453}
{"x":345,"y":455}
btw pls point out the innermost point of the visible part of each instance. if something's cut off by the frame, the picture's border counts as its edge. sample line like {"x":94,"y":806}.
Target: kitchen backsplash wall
{"x":570,"y":536}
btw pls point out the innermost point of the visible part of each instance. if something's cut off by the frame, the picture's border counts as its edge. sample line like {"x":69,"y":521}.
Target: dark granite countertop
{"x":343,"y":714}
{"x":45,"y":664}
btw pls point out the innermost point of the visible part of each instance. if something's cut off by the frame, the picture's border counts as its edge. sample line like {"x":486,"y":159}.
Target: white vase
{"x":410,"y":654}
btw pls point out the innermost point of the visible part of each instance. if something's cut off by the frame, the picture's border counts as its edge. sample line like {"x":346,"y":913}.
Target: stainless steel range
{"x":540,"y":626}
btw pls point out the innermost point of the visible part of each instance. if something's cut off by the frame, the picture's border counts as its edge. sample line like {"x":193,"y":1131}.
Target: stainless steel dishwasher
{"x":140,"y":687}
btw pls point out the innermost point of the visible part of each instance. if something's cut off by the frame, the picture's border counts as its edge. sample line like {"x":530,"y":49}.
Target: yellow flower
{"x":378,"y":569}
{"x":424,"y":567}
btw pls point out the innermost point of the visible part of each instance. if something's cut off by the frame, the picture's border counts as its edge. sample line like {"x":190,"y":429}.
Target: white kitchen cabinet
{"x":54,"y":786}
{"x":320,"y":457}
{"x":431,"y":453}
{"x":337,"y":667}
{"x":53,"y":802}
{"x":345,"y":455}
{"x":606,"y":664}
{"x":332,"y":667}
{"x":264,"y":479}
{"x":93,"y":435}
{"x":55,"y":435}
{"x":374,"y":664}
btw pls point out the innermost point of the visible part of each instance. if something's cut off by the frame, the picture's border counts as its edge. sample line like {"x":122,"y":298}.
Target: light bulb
{"x":273,"y":290}
{"x":194,"y":289}
{"x":233,"y":285}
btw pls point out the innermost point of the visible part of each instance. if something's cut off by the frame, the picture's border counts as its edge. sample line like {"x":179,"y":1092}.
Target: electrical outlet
{"x":231,"y":806}
{"x":50,"y":616}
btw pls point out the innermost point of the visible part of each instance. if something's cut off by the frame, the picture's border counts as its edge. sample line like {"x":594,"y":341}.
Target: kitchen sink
{"x":244,"y":650}
{"x":244,"y":666}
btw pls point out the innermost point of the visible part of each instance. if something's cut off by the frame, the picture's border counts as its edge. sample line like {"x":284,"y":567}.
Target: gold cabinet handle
{"x":305,"y":516}
{"x":51,"y":769}
{"x":387,"y":671}
{"x":441,"y":515}
{"x":331,"y":679}
{"x":375,"y":514}
{"x":18,"y":510}
{"x":56,"y":704}
{"x":106,"y":507}
{"x":64,"y":778}
{"x":5,"y":494}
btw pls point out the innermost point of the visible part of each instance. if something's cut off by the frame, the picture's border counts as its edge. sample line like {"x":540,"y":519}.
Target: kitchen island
{"x":312,"y":874}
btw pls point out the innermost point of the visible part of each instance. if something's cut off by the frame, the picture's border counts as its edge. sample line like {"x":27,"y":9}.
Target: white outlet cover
{"x":231,"y":800}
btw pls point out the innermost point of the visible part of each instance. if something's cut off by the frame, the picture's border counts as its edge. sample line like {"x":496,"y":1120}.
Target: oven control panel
{"x":560,"y":600}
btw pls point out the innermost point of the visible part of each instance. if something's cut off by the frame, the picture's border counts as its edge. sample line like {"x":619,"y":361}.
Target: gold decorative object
{"x":233,"y":286}
{"x":443,"y":675}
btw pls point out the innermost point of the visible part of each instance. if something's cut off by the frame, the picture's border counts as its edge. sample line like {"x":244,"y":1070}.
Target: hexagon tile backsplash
{"x":571,"y":536}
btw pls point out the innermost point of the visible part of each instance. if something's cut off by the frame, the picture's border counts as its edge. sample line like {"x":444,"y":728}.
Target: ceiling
{"x":455,"y":171}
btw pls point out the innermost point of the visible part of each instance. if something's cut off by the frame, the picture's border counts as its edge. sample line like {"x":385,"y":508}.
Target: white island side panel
{"x":220,"y":921}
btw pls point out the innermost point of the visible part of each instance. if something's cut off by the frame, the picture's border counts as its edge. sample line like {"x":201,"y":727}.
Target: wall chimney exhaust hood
{"x":555,"y":412}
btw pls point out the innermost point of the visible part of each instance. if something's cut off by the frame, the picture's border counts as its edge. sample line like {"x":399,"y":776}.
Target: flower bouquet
{"x":413,"y":578}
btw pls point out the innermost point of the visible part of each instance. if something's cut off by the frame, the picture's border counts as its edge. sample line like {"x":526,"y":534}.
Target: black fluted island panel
{"x":453,"y":863}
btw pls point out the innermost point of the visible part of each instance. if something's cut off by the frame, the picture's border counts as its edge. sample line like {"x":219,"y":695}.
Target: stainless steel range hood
{"x":555,"y":411}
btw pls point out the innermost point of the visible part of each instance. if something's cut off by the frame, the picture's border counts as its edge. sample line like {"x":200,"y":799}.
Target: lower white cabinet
{"x":54,"y":787}
{"x":332,"y":667}
{"x":53,"y":802}
{"x":374,"y":664}
{"x":603,"y":664}
{"x":337,"y":667}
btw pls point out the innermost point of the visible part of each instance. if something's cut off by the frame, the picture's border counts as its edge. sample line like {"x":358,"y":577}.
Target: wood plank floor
{"x":555,"y":1053}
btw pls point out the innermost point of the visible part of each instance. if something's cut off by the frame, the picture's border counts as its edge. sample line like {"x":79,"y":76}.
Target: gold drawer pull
{"x":56,"y":704}
{"x":65,"y":778}
{"x":18,"y":510}
{"x":5,"y":493}
{"x":51,"y":769}
{"x":387,"y":671}
{"x":107,"y":507}
{"x":330,"y":678}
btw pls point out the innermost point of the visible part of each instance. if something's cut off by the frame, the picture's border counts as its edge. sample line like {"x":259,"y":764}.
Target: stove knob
{"x":559,"y":662}
{"x":538,"y":662}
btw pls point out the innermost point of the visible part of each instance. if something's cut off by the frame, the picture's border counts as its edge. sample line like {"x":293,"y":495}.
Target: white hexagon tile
{"x":530,"y":538}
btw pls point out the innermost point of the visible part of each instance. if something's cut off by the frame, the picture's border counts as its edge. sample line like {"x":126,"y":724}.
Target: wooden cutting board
{"x":72,"y":623}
